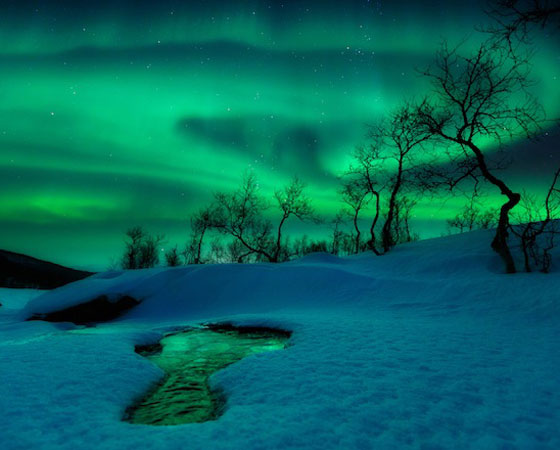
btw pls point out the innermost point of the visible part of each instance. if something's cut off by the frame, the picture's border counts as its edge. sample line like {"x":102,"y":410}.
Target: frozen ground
{"x":428,"y":347}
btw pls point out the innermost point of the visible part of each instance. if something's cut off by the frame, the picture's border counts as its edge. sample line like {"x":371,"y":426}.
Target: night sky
{"x":117,"y":113}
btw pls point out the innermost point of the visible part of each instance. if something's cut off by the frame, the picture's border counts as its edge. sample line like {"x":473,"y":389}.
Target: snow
{"x":427,"y":347}
{"x":14,"y":299}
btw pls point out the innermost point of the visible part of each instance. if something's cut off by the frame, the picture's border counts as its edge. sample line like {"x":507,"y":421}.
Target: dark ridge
{"x":148,"y":349}
{"x":98,"y":310}
{"x":21,"y":271}
{"x":243,"y":329}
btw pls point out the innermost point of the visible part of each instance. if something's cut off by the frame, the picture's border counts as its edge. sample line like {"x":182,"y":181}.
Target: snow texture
{"x":428,"y":347}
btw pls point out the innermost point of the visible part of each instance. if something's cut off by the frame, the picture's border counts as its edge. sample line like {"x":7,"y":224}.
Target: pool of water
{"x":188,"y":359}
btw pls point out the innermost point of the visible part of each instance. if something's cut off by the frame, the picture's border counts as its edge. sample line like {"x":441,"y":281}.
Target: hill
{"x":21,"y":271}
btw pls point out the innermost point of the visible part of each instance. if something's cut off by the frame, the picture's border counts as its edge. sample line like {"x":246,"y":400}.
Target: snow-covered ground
{"x":428,"y":347}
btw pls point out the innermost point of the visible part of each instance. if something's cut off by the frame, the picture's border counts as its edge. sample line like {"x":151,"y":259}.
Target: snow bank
{"x":15,"y":299}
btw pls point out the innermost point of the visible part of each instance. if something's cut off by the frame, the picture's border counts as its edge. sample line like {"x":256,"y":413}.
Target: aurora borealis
{"x":117,"y":113}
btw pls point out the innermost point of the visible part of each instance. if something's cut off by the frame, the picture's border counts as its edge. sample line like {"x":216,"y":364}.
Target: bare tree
{"x":142,"y":249}
{"x":201,"y":223}
{"x":537,"y":234}
{"x":241,"y":215}
{"x":477,"y":97}
{"x":149,"y":251}
{"x":231,"y":251}
{"x":337,"y":233}
{"x":356,"y":196}
{"x":236,"y":252}
{"x":172,"y":257}
{"x":342,"y":242}
{"x":400,"y":230}
{"x":291,"y":201}
{"x":402,"y":137}
{"x":392,"y":158}
{"x":132,"y":252}
{"x":514,"y":18}
{"x":304,"y":246}
{"x":363,"y":176}
{"x":473,"y":216}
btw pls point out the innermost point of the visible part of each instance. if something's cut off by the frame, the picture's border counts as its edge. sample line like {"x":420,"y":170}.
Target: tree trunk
{"x":499,"y":244}
{"x":373,"y":224}
{"x":386,"y":234}
{"x":358,"y":234}
{"x":199,"y":246}
{"x":276,"y":253}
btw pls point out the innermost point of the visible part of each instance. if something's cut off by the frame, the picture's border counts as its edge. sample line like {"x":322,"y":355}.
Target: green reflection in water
{"x":188,"y":359}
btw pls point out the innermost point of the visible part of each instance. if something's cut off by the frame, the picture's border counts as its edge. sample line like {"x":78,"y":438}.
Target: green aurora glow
{"x":111,"y":117}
